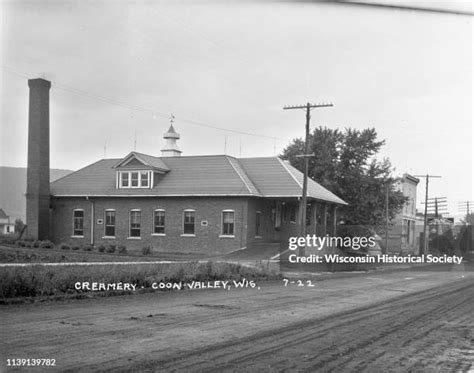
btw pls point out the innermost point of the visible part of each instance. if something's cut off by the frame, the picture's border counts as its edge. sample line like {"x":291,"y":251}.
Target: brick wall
{"x":206,"y":238}
{"x":37,"y":189}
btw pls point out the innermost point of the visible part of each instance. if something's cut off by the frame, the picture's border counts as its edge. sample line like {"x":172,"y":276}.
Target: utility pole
{"x":386,"y":220}
{"x":425,"y":223}
{"x":308,"y":108}
{"x":467,"y":206}
{"x":437,"y":206}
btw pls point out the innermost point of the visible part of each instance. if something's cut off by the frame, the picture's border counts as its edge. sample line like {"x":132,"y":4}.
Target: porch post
{"x":334,"y":219}
{"x":314,"y":219}
{"x":325,"y":219}
{"x":298,"y":214}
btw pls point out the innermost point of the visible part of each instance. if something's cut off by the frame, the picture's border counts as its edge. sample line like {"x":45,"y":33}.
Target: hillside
{"x":13,"y":189}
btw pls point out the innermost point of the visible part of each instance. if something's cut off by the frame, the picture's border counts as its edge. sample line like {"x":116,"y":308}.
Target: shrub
{"x":36,"y":243}
{"x":8,"y":240}
{"x":21,"y":243}
{"x":110,"y":249}
{"x":46,"y":281}
{"x":46,"y":244}
{"x":101,"y":248}
{"x":354,"y":232}
{"x":122,"y":249}
{"x":63,"y":246}
{"x":146,"y":250}
{"x":75,"y":247}
{"x":88,"y":248}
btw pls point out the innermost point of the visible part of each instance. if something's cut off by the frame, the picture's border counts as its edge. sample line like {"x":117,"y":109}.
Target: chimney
{"x":37,"y":179}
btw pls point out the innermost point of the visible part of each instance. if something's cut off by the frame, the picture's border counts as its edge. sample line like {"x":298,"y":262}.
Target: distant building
{"x":402,"y":236}
{"x":6,"y":226}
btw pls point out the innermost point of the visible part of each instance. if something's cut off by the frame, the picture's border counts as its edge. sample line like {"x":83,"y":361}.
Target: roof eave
{"x":153,"y":195}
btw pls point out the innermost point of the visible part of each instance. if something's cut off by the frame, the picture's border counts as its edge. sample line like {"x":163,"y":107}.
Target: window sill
{"x":76,"y":236}
{"x":135,"y":187}
{"x":134,"y":238}
{"x":188,"y":235}
{"x":259,"y":237}
{"x":109,"y":237}
{"x":226,"y":236}
{"x":159,"y":234}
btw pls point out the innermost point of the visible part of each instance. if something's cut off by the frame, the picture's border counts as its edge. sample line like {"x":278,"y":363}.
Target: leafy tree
{"x":345,"y":163}
{"x":468,"y":219}
{"x":19,"y":225}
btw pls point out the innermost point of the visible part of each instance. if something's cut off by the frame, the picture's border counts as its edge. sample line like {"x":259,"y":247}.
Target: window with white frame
{"x":124,"y":179}
{"x":109,"y":223}
{"x":135,"y":223}
{"x":228,"y":222}
{"x":144,"y":179}
{"x":134,"y":179}
{"x":188,"y":222}
{"x":159,"y":222}
{"x":78,"y":222}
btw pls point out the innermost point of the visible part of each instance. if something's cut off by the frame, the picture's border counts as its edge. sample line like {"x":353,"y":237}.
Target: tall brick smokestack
{"x":37,"y":181}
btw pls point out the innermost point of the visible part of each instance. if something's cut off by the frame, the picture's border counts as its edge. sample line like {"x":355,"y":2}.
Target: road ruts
{"x":431,"y":331}
{"x":399,"y":321}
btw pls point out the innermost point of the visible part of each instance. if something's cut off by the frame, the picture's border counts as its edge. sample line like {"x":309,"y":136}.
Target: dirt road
{"x":407,"y":321}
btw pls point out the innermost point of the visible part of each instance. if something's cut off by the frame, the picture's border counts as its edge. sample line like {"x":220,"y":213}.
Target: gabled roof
{"x":3,"y":215}
{"x":146,"y":161}
{"x":277,"y":178}
{"x":215,"y":175}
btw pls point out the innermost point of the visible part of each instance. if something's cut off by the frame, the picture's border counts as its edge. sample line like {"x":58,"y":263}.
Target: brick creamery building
{"x":208,"y":204}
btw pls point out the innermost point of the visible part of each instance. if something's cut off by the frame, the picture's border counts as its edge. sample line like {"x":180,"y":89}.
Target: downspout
{"x":92,"y":220}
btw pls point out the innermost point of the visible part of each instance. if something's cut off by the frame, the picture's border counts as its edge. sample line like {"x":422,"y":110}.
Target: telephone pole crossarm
{"x":305,"y":157}
{"x":311,"y":106}
{"x":465,"y":205}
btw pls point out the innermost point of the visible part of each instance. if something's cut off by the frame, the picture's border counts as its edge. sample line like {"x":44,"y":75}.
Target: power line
{"x":465,"y":206}
{"x":437,"y":206}
{"x":153,"y":112}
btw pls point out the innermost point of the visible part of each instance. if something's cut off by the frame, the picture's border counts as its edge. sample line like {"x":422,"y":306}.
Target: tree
{"x":468,"y":219}
{"x":19,"y":225}
{"x":345,"y":163}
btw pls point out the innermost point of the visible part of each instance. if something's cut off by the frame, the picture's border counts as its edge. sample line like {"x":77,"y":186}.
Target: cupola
{"x":171,"y":147}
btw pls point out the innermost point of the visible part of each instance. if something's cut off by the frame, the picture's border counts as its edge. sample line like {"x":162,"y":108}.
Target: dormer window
{"x":138,"y":170}
{"x":144,"y":179}
{"x":134,"y":179}
{"x":124,"y":179}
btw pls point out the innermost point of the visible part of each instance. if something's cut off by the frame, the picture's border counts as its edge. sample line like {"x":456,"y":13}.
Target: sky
{"x":225,"y":69}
